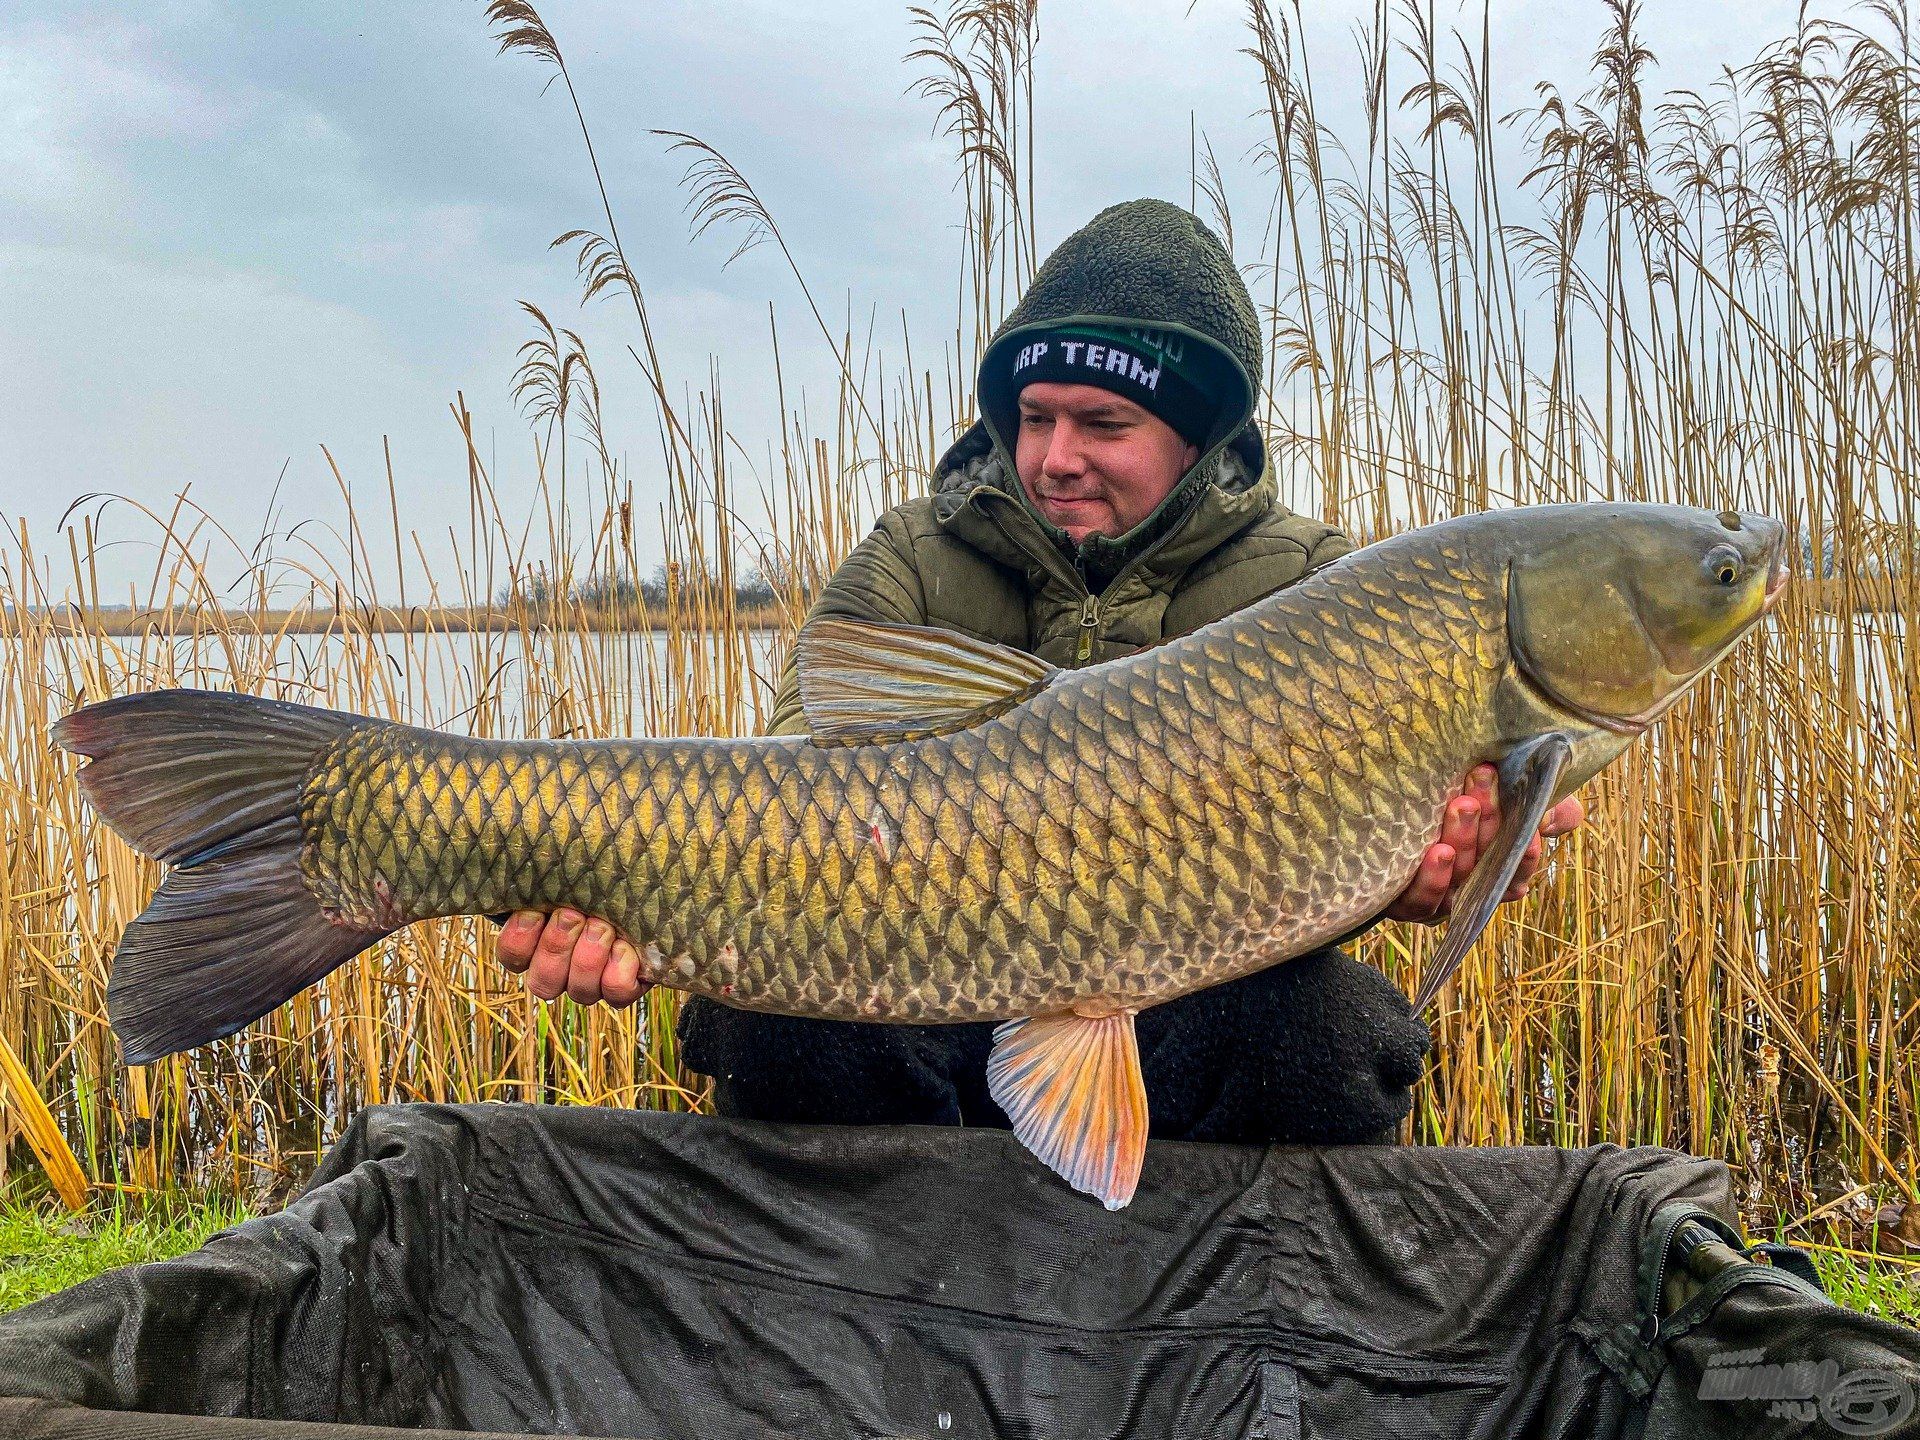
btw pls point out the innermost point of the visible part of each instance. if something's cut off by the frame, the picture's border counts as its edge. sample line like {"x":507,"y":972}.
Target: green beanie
{"x":1140,"y":268}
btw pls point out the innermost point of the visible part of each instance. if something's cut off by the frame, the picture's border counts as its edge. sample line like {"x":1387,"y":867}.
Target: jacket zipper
{"x":1089,"y":625}
{"x":1089,"y":602}
{"x":1650,"y":1327}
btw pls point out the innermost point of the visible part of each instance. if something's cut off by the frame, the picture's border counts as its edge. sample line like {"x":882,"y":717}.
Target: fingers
{"x":1529,"y":865}
{"x":1439,"y":873}
{"x":1483,"y":786}
{"x":518,"y":937}
{"x":1467,"y":828}
{"x":553,"y":956}
{"x":1467,"y":816}
{"x":1460,"y":827}
{"x":1424,"y":900}
{"x":1463,"y":831}
{"x":1563,"y":819}
{"x":568,"y":954}
{"x":591,"y":952}
{"x":1449,"y":860}
{"x":620,"y":984}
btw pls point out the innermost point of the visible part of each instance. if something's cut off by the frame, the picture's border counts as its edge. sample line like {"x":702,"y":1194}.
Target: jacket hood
{"x":1141,"y":263}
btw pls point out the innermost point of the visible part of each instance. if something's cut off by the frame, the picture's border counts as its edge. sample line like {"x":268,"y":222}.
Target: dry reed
{"x":1702,"y":298}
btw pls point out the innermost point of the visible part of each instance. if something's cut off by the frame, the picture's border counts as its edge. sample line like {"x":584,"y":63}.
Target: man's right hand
{"x":566,"y":953}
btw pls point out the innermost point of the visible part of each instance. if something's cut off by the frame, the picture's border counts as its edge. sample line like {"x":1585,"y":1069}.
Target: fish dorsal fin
{"x":864,"y":682}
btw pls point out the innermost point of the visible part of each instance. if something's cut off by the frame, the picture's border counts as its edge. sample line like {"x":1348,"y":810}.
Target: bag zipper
{"x":1686,"y":1219}
{"x":1650,"y":1331}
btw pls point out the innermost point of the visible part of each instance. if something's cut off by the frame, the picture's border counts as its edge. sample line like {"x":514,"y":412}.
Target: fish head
{"x":1614,"y":611}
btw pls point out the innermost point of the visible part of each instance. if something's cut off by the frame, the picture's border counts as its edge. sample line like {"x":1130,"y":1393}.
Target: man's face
{"x":1093,"y":462}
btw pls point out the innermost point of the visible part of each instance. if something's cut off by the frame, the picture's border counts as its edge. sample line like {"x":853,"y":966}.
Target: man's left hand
{"x":1471,"y":818}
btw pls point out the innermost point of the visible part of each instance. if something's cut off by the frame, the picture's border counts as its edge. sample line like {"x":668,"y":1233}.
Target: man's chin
{"x":1078,"y":520}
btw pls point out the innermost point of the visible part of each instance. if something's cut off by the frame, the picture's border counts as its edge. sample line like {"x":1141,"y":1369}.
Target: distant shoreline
{"x":383,"y":619}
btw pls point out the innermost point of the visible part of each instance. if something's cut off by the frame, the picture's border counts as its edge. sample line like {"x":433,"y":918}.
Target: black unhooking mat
{"x":511,"y":1268}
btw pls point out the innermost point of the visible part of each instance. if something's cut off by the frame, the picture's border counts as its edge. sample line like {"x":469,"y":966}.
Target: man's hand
{"x":1471,"y":818}
{"x":566,"y":952}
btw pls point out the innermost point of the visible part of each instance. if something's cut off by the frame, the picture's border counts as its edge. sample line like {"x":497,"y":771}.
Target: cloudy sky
{"x":231,"y":233}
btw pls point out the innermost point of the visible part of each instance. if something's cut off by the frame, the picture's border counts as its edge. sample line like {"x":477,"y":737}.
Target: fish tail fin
{"x":211,"y":784}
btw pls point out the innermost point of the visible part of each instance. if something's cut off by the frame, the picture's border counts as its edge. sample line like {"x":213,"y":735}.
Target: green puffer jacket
{"x":975,"y":556}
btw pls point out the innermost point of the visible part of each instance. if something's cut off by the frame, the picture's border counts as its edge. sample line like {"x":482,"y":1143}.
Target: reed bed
{"x":1711,"y":298}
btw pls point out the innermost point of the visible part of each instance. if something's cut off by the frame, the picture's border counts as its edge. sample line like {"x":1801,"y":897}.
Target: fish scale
{"x":1137,"y":830}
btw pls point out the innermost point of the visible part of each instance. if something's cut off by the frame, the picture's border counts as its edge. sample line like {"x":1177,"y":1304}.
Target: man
{"x":1114,"y":494}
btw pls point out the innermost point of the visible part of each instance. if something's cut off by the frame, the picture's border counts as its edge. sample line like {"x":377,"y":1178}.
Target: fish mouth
{"x":1777,"y":577}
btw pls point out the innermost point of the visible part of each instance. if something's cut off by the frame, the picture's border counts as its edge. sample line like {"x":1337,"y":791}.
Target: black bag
{"x":597,"y":1272}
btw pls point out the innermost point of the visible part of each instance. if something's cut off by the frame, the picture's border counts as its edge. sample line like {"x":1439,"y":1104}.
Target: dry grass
{"x":1711,"y":299}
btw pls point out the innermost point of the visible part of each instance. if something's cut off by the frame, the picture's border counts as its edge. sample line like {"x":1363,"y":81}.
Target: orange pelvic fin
{"x":1071,"y":1085}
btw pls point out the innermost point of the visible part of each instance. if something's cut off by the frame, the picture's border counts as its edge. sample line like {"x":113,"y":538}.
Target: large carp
{"x":968,"y":833}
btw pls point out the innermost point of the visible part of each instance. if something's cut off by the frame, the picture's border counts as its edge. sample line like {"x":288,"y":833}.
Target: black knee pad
{"x":1316,"y":1050}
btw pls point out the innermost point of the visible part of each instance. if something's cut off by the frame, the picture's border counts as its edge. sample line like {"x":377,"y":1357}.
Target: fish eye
{"x":1722,"y":564}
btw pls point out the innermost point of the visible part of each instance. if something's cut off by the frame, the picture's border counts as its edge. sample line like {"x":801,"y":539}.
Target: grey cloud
{"x":242,"y":231}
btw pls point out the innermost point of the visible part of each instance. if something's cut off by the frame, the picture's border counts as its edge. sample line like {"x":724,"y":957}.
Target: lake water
{"x":500,"y":682}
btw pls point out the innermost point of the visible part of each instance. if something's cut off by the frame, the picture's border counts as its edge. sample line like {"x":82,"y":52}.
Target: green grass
{"x":1877,"y":1287}
{"x":43,"y":1250}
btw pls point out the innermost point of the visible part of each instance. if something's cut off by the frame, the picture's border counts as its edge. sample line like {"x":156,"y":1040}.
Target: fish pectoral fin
{"x":1529,"y":775}
{"x":866,"y":683}
{"x":1071,"y":1085}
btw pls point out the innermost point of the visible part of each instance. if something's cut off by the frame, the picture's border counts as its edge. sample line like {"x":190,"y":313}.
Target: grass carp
{"x":967,"y":833}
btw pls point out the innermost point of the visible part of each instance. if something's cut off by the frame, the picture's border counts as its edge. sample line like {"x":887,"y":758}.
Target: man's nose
{"x":1064,"y":455}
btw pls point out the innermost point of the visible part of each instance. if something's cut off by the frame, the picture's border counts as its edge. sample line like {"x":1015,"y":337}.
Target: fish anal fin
{"x":865,"y":682}
{"x":1529,"y":775}
{"x":1071,"y":1085}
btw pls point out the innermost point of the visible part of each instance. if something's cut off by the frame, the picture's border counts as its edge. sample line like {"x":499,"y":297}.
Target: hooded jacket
{"x":975,"y":556}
